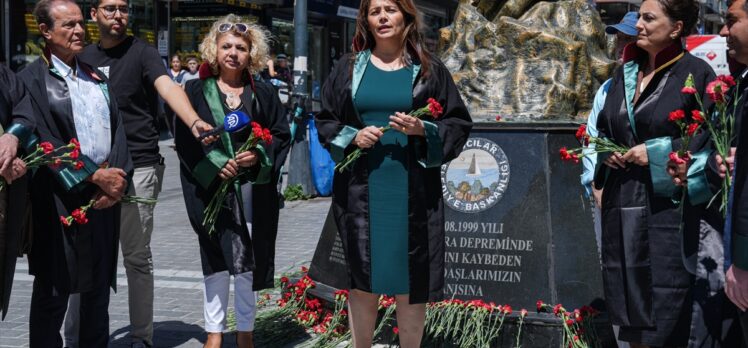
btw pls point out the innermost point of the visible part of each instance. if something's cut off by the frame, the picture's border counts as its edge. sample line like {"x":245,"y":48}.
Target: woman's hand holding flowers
{"x":637,"y":155}
{"x":367,"y":137}
{"x":727,"y":164}
{"x":247,"y":159}
{"x":407,"y":124}
{"x":615,"y":161}
{"x":229,"y":170}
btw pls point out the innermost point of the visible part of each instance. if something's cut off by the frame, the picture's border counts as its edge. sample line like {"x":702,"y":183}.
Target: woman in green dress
{"x":388,"y":205}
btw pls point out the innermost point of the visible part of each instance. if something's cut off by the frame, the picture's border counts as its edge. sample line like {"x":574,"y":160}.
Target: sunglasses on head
{"x":240,"y":28}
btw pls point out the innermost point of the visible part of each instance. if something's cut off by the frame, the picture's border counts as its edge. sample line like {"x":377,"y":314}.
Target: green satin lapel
{"x":698,"y":186}
{"x":630,"y":76}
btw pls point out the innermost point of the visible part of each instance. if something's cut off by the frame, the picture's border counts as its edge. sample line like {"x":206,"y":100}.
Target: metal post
{"x":299,"y":171}
{"x":301,"y":47}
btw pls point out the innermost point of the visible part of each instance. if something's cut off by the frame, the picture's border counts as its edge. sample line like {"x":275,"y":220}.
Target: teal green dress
{"x":380,"y":95}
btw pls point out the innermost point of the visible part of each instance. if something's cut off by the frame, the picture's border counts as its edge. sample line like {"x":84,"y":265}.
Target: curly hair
{"x":256,"y":36}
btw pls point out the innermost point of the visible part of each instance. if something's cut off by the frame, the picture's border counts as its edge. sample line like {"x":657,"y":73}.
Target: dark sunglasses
{"x":240,"y":28}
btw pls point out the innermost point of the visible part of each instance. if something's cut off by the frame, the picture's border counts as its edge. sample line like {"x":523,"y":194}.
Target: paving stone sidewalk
{"x":178,"y":277}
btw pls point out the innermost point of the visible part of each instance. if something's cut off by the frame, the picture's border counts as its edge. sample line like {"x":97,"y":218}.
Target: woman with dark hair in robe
{"x":388,"y":206}
{"x":648,"y":288}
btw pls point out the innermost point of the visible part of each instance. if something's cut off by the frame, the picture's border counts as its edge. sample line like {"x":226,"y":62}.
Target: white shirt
{"x":90,"y":111}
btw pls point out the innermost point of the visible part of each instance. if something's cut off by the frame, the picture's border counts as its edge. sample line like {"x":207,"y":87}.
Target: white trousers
{"x":216,"y":301}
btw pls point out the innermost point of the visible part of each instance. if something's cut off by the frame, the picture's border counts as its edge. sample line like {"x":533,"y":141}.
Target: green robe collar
{"x":359,"y":68}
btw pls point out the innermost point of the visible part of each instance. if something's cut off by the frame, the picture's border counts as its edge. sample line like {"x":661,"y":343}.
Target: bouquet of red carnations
{"x":211,"y":211}
{"x":601,"y":145}
{"x":720,"y":123}
{"x":432,"y":108}
{"x":46,"y":154}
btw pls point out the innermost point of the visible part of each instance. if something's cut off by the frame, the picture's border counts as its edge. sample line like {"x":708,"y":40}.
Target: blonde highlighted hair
{"x":257,"y":38}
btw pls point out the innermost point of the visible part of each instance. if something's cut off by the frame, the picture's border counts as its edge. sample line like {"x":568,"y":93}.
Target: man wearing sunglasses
{"x":138,"y":78}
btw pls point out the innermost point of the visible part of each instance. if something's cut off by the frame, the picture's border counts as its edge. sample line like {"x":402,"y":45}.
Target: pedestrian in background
{"x":137,"y":78}
{"x":388,"y":207}
{"x":175,"y":69}
{"x":192,"y":65}
{"x":73,"y":101}
{"x":243,"y":243}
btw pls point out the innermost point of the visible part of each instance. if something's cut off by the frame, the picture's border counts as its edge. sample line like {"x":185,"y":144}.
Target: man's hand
{"x":724,"y":165}
{"x":174,"y":95}
{"x":678,"y":172}
{"x":8,"y":151}
{"x":199,"y":127}
{"x":229,"y":170}
{"x":736,"y":286}
{"x":111,"y":181}
{"x":246,"y":159}
{"x":367,"y":137}
{"x":104,"y":201}
{"x":637,"y":155}
{"x":16,"y":170}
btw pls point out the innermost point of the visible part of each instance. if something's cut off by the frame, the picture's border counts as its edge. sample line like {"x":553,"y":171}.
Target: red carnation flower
{"x":74,"y":154}
{"x":688,"y":90}
{"x":46,"y":147}
{"x":79,"y":216}
{"x":507,"y":309}
{"x":435,"y":108}
{"x":716,"y":91}
{"x":727,"y":79}
{"x":557,"y":309}
{"x":267,"y":137}
{"x":697,"y":116}
{"x":78,"y":165}
{"x":75,"y":144}
{"x":65,"y":222}
{"x":284,"y":280}
{"x":498,"y":118}
{"x":679,"y":159}
{"x":692,"y":128}
{"x":676,"y":115}
{"x":523,"y":313}
{"x":539,"y":305}
{"x":56,"y":164}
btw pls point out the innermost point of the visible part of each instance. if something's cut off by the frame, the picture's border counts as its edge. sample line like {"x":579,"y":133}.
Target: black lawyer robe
{"x":425,"y":205}
{"x":70,"y":259}
{"x":647,"y":286}
{"x":239,"y":253}
{"x":15,"y":111}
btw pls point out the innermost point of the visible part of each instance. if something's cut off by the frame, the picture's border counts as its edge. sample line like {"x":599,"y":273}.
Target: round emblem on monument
{"x":477,"y":178}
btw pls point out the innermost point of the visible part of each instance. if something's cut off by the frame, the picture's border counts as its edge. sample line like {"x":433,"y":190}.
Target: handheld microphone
{"x":233,"y":122}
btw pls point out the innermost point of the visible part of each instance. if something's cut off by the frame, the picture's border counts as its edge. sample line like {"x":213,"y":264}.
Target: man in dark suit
{"x":735,"y":31}
{"x":16,"y":129}
{"x":73,"y":101}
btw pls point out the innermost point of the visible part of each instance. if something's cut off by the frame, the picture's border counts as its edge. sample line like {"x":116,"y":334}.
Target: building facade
{"x":178,"y":26}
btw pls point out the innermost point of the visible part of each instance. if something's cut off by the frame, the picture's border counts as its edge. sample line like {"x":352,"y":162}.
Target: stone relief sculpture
{"x":527,"y":60}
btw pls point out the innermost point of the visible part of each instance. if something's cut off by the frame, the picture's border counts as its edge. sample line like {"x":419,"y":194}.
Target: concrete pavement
{"x":178,"y":277}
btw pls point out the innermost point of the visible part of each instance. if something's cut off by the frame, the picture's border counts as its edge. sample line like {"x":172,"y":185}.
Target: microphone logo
{"x":232,"y":121}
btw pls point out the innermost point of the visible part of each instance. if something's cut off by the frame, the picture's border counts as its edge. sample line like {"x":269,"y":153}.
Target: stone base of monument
{"x":518,"y":227}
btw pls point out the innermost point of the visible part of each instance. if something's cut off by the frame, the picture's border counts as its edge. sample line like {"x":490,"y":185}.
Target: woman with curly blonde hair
{"x":243,"y":243}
